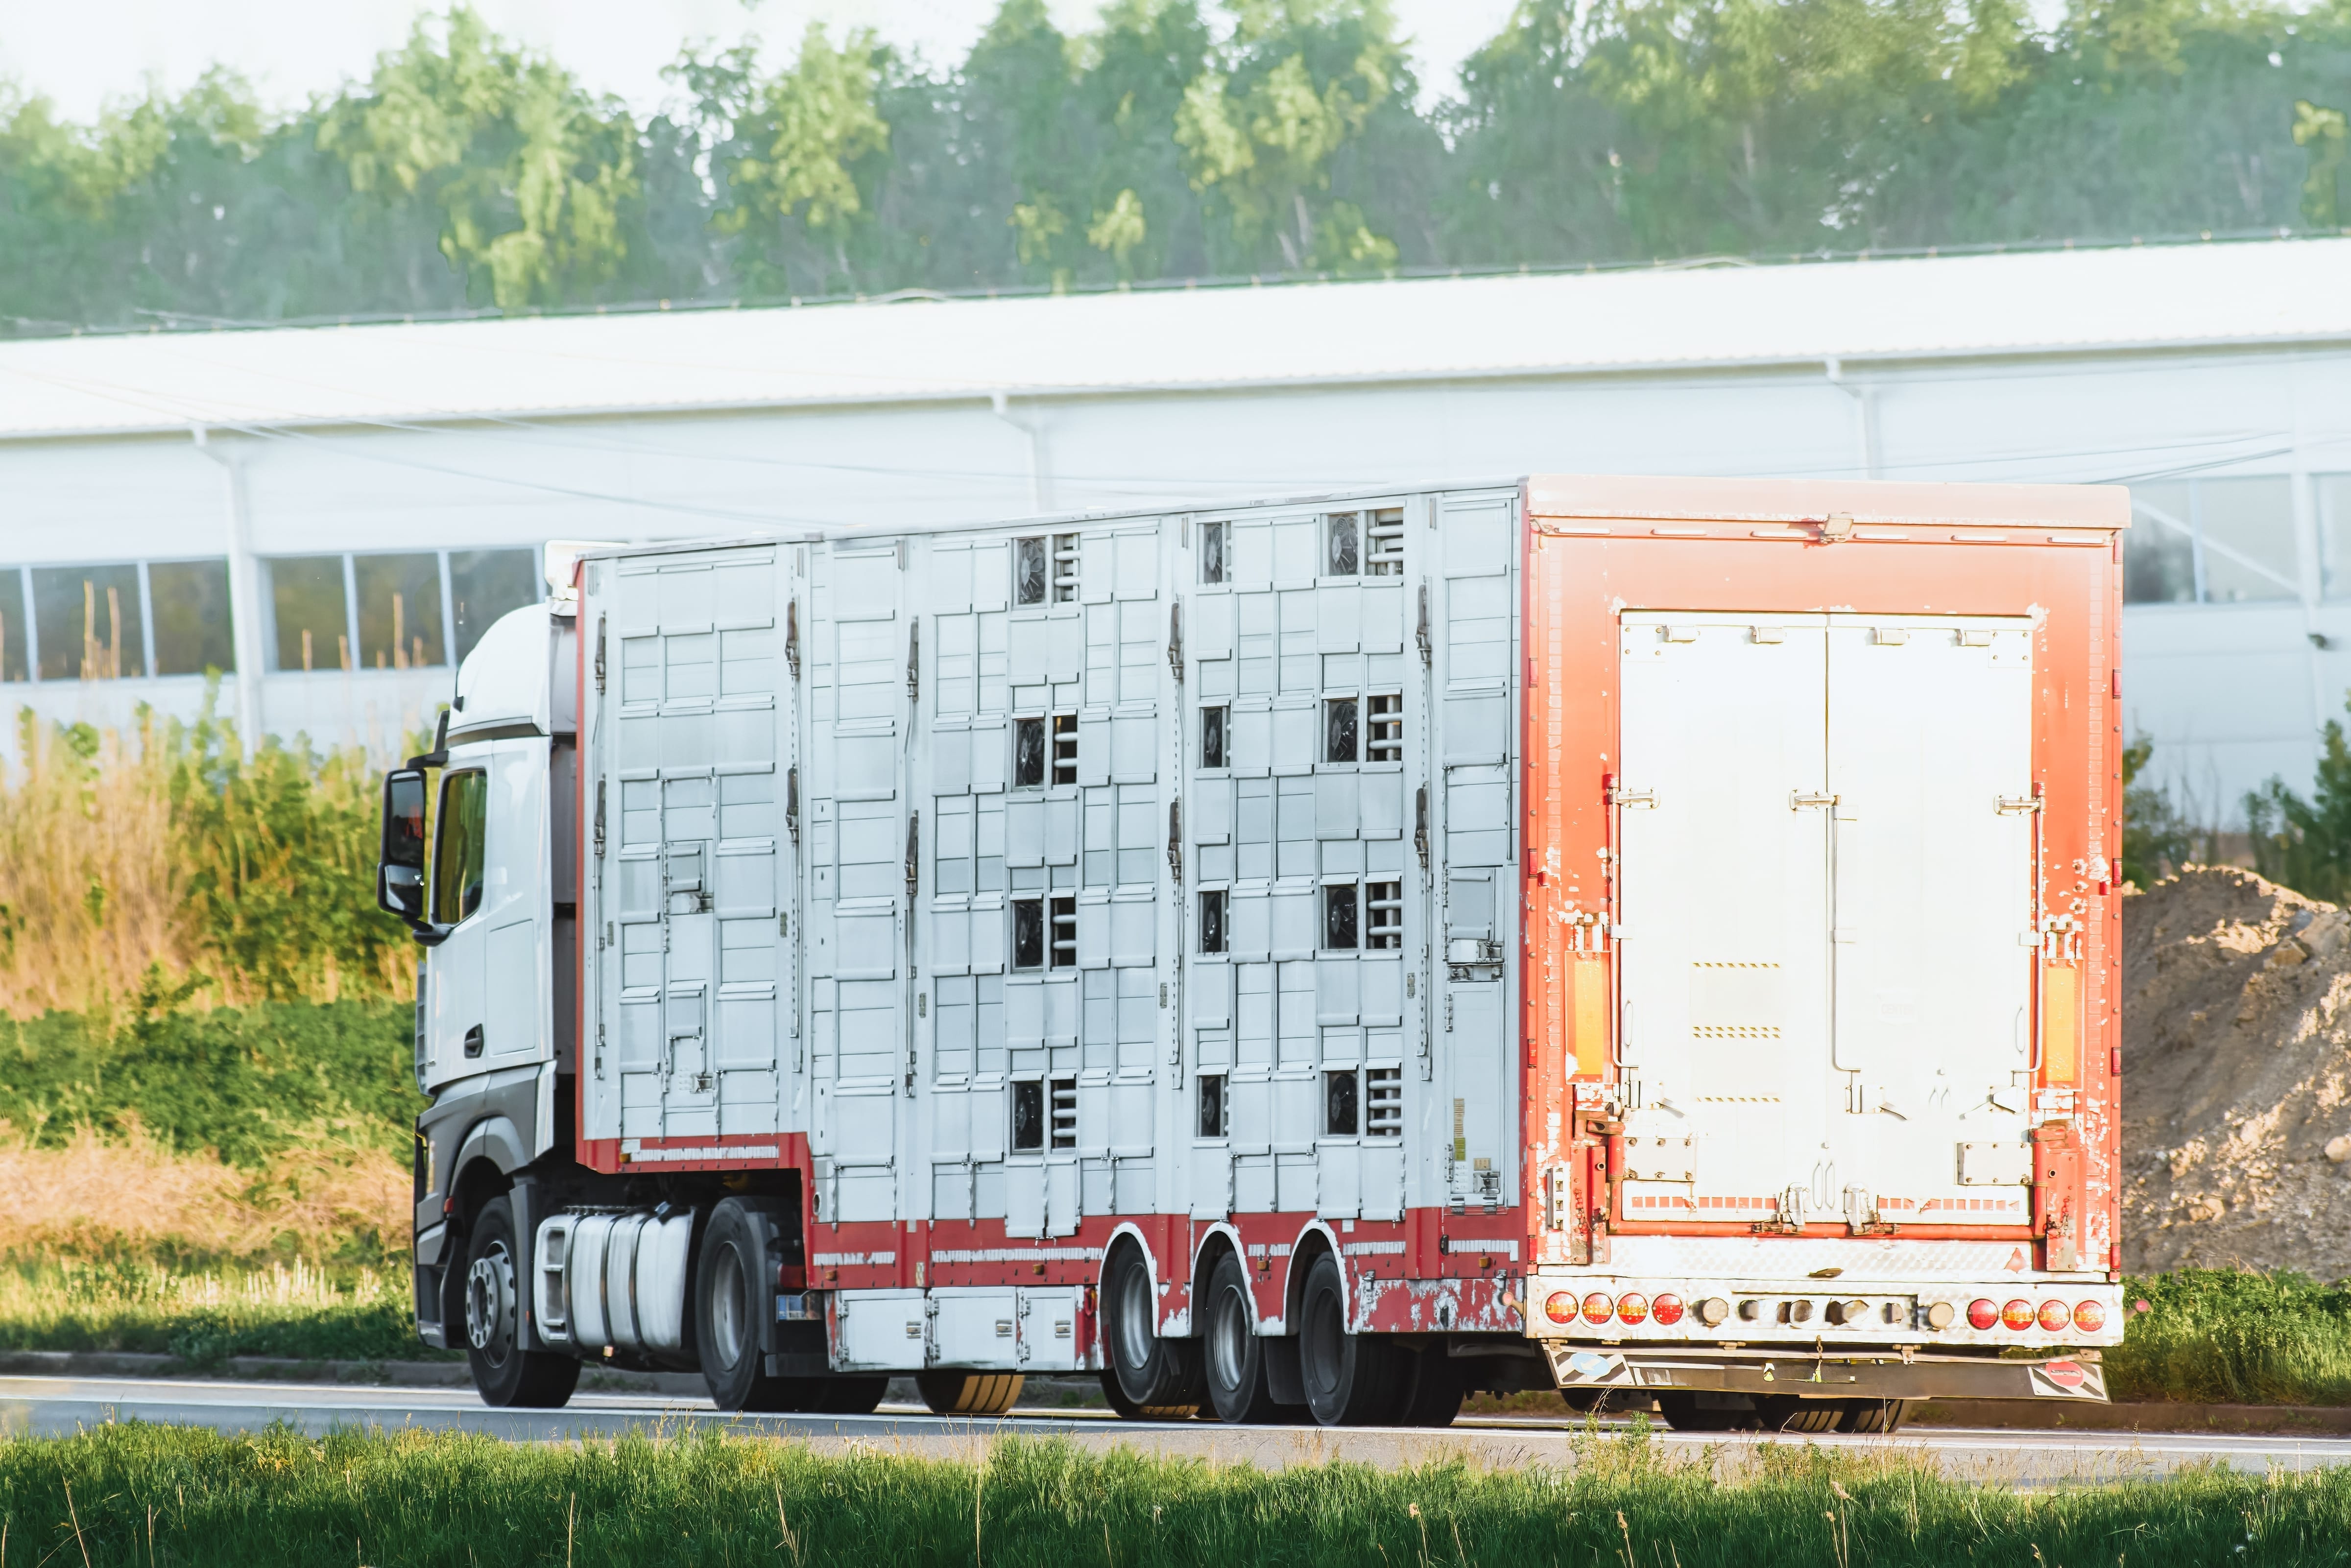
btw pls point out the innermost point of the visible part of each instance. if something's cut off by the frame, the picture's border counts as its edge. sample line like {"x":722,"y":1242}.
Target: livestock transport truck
{"x":1655,"y":939}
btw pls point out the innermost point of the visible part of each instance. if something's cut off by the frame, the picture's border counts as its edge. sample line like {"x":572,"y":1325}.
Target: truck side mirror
{"x":400,"y":870}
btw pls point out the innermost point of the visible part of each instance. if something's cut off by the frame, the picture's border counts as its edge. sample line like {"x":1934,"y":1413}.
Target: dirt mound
{"x":2236,"y":1076}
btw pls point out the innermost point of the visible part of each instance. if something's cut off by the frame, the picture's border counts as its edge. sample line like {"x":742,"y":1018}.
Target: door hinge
{"x":600,"y":818}
{"x":792,"y":636}
{"x":915,"y":662}
{"x":792,"y":802}
{"x":913,"y":852}
{"x":1175,"y":838}
{"x":1420,"y":824}
{"x":600,"y":655}
{"x":1420,"y":631}
{"x":1176,"y":640}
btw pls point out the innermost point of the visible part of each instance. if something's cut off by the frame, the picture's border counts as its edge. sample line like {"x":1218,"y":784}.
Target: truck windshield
{"x":457,"y":849}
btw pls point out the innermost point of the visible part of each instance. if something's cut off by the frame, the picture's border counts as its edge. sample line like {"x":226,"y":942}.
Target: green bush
{"x":2228,"y":1337}
{"x":247,"y":1083}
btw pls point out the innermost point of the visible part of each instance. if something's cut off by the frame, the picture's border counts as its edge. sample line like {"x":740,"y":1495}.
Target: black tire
{"x":1232,"y":1356}
{"x":729,"y":1292}
{"x":506,"y":1375}
{"x":849,"y":1396}
{"x":1789,"y":1413}
{"x":952,"y":1391}
{"x":1873,"y":1414}
{"x":1161,"y":1378}
{"x":1351,"y":1378}
{"x":1434,"y":1386}
{"x":1683,"y":1413}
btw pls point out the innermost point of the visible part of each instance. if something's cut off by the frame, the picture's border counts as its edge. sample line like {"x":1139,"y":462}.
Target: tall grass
{"x":2227,"y":1337}
{"x":160,"y":857}
{"x":160,"y":1496}
{"x":300,"y":1311}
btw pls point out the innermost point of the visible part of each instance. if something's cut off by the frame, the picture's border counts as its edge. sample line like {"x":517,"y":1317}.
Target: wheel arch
{"x":1313,"y":1240}
{"x":1215,"y":1242}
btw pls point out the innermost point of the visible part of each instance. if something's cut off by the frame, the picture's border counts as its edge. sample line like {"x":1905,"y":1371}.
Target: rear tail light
{"x":2056,"y":1316}
{"x":1666,"y":1310}
{"x":2017,"y":1315}
{"x":1983,"y":1315}
{"x":1632,"y":1307}
{"x":2089,"y":1316}
{"x":1559,"y":1308}
{"x":1598,"y":1308}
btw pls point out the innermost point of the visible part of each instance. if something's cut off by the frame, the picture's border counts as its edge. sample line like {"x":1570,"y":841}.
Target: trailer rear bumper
{"x":1844,"y":1375}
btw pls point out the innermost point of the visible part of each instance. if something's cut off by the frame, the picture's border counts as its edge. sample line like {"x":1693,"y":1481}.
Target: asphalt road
{"x":55,"y":1406}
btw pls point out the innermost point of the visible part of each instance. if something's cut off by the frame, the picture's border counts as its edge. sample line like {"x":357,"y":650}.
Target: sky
{"x":84,"y":53}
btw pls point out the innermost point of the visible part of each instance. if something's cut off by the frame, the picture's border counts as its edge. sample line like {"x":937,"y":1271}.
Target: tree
{"x":2306,"y":844}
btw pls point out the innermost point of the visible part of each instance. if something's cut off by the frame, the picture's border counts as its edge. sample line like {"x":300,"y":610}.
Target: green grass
{"x":246,"y":1083}
{"x":175,"y":1496}
{"x":2219,"y":1336}
{"x":306,"y":1313}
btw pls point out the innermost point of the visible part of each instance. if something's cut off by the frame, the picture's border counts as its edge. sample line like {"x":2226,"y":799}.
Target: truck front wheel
{"x":507,"y":1375}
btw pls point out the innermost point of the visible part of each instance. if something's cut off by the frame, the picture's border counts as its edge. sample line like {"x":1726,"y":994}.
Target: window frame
{"x":478,"y":852}
{"x":1220,"y":923}
{"x":1028,"y":548}
{"x":1216,"y":553}
{"x":1342,"y":1085}
{"x":1223,"y":728}
{"x":1336,"y":894}
{"x":1033,"y":909}
{"x":1212,"y":1106}
{"x":1031,"y":1090}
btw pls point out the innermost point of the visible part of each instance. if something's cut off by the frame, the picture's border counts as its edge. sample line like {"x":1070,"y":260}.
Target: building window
{"x":12,"y":664}
{"x":1342,"y":555}
{"x":195,"y":633}
{"x":87,"y":621}
{"x":1341,"y":1113}
{"x":1387,"y":738}
{"x":1339,"y":730}
{"x":1215,"y":540}
{"x":1065,"y":749}
{"x":485,"y":584}
{"x":1385,"y":556}
{"x":1065,"y":569}
{"x":1027,"y":932}
{"x":1212,"y":920}
{"x":1065,"y":1113}
{"x":399,"y":611}
{"x":1214,"y":1122}
{"x":311,"y":615}
{"x":1384,"y":1102}
{"x":1028,"y":1115}
{"x":1339,"y":927}
{"x":1383,"y":916}
{"x":2211,"y":541}
{"x":1065,"y":933}
{"x":1028,"y":571}
{"x":2333,"y":534}
{"x":1214,"y":722}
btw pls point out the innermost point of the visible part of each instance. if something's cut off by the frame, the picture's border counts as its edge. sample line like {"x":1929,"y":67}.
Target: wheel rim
{"x":728,"y":1317}
{"x":1228,"y":1351}
{"x":489,"y":1304}
{"x":1134,"y":1334}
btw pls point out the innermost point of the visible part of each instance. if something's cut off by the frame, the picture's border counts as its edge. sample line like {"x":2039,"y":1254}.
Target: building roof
{"x":1660,"y":319}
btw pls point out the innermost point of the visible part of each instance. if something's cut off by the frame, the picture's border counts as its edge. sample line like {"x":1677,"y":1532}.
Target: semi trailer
{"x":1655,"y":939}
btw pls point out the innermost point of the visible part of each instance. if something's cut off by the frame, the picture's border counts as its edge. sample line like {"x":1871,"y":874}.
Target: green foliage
{"x":2306,"y":844}
{"x":1178,"y":138}
{"x":248,"y":1084}
{"x":125,"y":1304}
{"x":2156,"y":838}
{"x":192,"y":1497}
{"x":2228,"y":1337}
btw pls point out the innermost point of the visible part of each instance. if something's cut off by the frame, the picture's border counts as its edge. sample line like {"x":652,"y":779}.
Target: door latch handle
{"x":2020,"y":805}
{"x":1799,"y":800}
{"x":473,"y":1042}
{"x":1634,"y":800}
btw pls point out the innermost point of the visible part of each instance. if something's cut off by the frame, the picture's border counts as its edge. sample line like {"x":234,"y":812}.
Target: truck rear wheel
{"x":506,"y":1375}
{"x":847,"y":1396}
{"x":1684,"y":1413}
{"x":1351,"y":1378}
{"x":1434,"y":1386}
{"x":1233,"y":1356}
{"x":728,"y":1296}
{"x":1788,"y":1413}
{"x":1873,"y":1414}
{"x":950,"y":1392}
{"x":1160,"y":1378}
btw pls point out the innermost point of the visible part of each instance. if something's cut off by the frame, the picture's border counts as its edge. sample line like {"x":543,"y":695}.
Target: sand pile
{"x":2236,"y":1077}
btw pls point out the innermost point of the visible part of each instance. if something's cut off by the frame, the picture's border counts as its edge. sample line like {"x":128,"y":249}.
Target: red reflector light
{"x":2017,"y":1315}
{"x":1560,"y":1307}
{"x":2089,"y":1316}
{"x":2056,"y":1316}
{"x":1598,"y":1309}
{"x":1983,"y":1315}
{"x":1632,"y":1307}
{"x":1666,"y":1310}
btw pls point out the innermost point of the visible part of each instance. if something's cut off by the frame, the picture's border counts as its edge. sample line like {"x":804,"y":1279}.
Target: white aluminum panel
{"x":1047,"y":1324}
{"x":976,"y":1328}
{"x":878,"y":1331}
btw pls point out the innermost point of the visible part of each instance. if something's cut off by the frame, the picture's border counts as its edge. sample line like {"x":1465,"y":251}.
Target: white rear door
{"x":1725,"y":975}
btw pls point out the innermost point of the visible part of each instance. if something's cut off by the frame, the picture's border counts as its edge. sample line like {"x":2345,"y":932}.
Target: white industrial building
{"x":326,"y":513}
